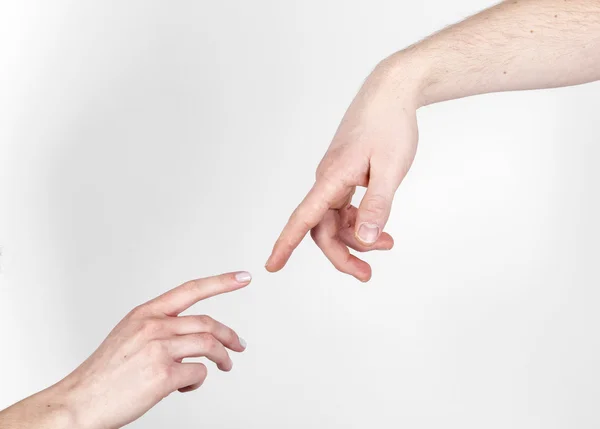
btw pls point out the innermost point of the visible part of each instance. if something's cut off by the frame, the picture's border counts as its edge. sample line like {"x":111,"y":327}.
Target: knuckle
{"x":231,"y":335}
{"x":342,"y":265}
{"x":375,"y":204}
{"x":205,"y":322}
{"x":138,"y":312}
{"x":191,"y":285}
{"x":325,"y":171}
{"x":305,"y":224}
{"x":332,"y":182}
{"x":208,"y":341}
{"x":327,"y":166}
{"x":285,"y":244}
{"x":156,"y":349}
{"x":163,"y":372}
{"x":152,"y":325}
{"x":223,"y":280}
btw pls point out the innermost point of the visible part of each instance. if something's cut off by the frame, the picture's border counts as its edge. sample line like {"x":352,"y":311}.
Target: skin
{"x":516,"y":45}
{"x":138,"y":364}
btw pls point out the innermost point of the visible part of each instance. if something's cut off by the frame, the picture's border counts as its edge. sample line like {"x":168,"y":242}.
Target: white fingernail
{"x":242,"y":342}
{"x":368,"y":233}
{"x":243,"y":277}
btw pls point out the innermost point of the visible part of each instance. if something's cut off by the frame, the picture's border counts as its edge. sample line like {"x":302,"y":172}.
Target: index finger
{"x":183,"y":297}
{"x":306,"y":216}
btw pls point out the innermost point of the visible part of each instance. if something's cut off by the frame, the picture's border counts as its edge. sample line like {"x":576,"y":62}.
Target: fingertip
{"x":365,"y":276}
{"x":238,"y":346}
{"x":367,"y":233}
{"x":386,"y":241}
{"x":273,"y":263}
{"x":283,"y":248}
{"x":276,"y":262}
{"x":362,"y":270}
{"x":242,"y":277}
{"x":198,"y":372}
{"x":226,"y":367}
{"x":268,"y":263}
{"x":392,"y":242}
{"x":270,"y":267}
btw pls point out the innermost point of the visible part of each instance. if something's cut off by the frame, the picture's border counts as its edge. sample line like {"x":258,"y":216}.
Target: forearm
{"x":516,"y":45}
{"x":44,"y":410}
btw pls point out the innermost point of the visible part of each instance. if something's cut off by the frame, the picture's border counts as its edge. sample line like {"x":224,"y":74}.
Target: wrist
{"x":58,"y":407}
{"x":44,"y":410}
{"x":72,"y":397}
{"x":407,"y":74}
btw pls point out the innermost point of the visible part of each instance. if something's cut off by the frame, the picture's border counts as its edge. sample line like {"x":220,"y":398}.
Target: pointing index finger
{"x":306,"y":216}
{"x":183,"y":297}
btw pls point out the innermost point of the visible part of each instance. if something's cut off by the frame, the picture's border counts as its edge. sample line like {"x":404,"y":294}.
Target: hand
{"x":373,"y":147}
{"x":139,"y":363}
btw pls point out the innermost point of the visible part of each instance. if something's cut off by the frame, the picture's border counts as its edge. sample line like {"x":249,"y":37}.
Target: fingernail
{"x":243,"y":277}
{"x":243,"y":342}
{"x":368,"y":233}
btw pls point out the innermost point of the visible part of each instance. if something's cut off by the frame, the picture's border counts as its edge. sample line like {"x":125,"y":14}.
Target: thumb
{"x":376,"y":205}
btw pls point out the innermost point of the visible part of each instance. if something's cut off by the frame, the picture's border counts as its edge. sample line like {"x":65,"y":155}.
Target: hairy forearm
{"x":516,"y":45}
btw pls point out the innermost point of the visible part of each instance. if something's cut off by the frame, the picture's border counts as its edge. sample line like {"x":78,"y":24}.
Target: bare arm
{"x":143,"y":360}
{"x":516,"y":45}
{"x":44,"y":410}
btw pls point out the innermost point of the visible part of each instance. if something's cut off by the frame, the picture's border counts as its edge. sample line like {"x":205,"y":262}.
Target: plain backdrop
{"x":145,"y":143}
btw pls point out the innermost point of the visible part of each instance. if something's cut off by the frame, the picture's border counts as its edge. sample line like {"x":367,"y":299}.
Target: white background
{"x":145,"y":143}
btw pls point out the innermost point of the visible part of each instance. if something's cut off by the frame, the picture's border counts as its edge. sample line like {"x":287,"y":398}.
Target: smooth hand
{"x":138,"y":364}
